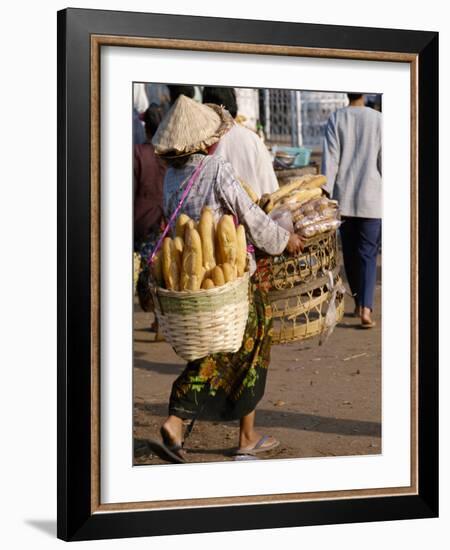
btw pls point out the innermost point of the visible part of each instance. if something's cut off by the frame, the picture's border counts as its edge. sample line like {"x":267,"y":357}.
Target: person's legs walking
{"x":172,"y":430}
{"x":249,"y":437}
{"x":369,"y":243}
{"x":349,"y":238}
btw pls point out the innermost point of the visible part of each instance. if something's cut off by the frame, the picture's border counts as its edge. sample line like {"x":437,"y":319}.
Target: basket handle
{"x":189,"y":185}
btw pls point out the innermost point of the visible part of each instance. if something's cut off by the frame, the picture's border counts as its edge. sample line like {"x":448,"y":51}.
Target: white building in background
{"x":298,"y":117}
{"x":289,"y":117}
{"x":248,"y":106}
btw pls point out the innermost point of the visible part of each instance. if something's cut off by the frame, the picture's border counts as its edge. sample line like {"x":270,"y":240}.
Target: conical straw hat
{"x":190,"y":126}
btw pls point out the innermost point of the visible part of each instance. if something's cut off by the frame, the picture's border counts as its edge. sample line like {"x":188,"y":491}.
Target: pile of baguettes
{"x":202,"y":255}
{"x":301,"y":199}
{"x":295,"y":192}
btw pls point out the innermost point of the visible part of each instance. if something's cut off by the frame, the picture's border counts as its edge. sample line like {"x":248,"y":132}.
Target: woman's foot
{"x":366,"y":318}
{"x":250,"y":441}
{"x":255,"y":443}
{"x":171,"y":447}
{"x":172,"y":433}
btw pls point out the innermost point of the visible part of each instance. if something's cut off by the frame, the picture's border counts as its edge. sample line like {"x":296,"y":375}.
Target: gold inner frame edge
{"x":97,"y":41}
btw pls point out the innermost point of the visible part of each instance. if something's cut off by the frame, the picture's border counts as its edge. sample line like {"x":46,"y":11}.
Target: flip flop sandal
{"x":368,"y":325}
{"x":240,"y":458}
{"x":259,"y":448}
{"x":168,"y":453}
{"x":175,"y":448}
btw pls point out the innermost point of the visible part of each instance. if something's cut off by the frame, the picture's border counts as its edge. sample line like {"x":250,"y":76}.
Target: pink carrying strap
{"x":189,"y":185}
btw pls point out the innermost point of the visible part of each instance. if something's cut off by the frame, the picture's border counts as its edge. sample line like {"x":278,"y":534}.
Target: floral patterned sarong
{"x":228,"y":386}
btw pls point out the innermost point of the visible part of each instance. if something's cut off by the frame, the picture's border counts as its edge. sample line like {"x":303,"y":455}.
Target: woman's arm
{"x":330,"y":155}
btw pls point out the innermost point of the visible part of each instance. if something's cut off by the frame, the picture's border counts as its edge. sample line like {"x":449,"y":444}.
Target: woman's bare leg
{"x":248,"y":436}
{"x":172,"y":430}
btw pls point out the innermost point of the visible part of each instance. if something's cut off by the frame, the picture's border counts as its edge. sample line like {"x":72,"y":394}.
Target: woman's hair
{"x":353,"y":97}
{"x":152,"y":119}
{"x":176,"y":91}
{"x":221,"y":96}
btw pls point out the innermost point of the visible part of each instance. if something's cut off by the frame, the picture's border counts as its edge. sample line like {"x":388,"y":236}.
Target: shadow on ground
{"x":293,"y":420}
{"x":161,"y":368}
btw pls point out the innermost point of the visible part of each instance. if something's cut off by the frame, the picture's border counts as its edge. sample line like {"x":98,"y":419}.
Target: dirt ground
{"x":319,"y":400}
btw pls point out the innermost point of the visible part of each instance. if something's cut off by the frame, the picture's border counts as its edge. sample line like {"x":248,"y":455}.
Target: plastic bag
{"x":331,"y":314}
{"x":315,"y":227}
{"x":316,"y":206}
{"x":283,"y":217}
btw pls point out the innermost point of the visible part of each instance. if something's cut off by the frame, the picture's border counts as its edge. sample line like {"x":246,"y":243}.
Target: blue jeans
{"x":360,"y":244}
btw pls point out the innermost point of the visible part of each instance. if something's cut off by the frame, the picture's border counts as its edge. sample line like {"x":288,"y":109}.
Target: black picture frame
{"x":76,"y":518}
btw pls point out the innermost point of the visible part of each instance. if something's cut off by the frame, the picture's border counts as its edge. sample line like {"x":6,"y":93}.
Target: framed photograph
{"x":247,"y":274}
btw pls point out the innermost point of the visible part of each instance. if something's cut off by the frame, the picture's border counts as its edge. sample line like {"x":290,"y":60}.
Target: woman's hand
{"x":295,"y":244}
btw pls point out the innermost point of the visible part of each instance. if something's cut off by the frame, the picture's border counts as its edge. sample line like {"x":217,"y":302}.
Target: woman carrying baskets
{"x":221,"y":386}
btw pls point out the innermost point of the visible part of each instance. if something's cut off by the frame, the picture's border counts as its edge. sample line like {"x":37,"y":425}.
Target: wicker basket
{"x":298,"y":288}
{"x":198,"y":323}
{"x":320,"y":255}
{"x":299,"y":312}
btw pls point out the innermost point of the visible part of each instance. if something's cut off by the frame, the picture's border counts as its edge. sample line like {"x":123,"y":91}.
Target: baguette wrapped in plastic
{"x":227,"y":240}
{"x":241,"y":251}
{"x":282,"y":215}
{"x":206,"y":231}
{"x":320,"y":227}
{"x":192,"y":270}
{"x":322,"y":206}
{"x":170,"y":269}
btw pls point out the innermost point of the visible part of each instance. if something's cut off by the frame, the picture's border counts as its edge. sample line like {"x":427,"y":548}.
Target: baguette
{"x":217,"y":276}
{"x":178,"y":245}
{"x":266,"y":203}
{"x":191,"y":225}
{"x":228,"y":272}
{"x":192,"y":270}
{"x":246,"y":187}
{"x":299,"y":197}
{"x":289,"y":187}
{"x":156,"y":268}
{"x":306,"y":182}
{"x":315,"y":182}
{"x":170,"y":270}
{"x":226,"y":236}
{"x":206,"y":231}
{"x":241,"y":253}
{"x":207,"y":284}
{"x":182,"y":220}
